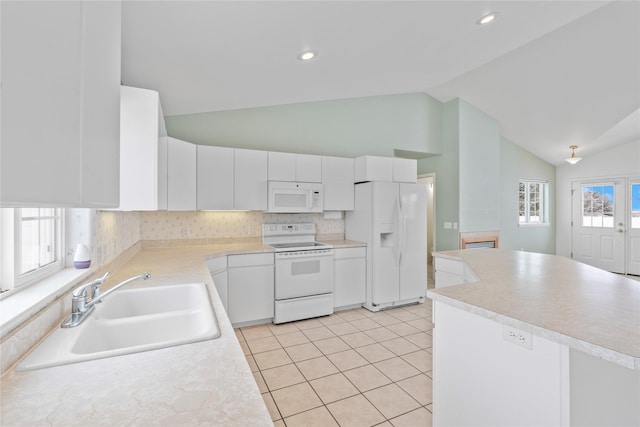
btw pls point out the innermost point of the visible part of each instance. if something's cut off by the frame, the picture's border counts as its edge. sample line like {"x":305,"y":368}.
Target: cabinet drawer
{"x":343,"y":253}
{"x":449,"y":266}
{"x":249,"y":260}
{"x":217,"y":264}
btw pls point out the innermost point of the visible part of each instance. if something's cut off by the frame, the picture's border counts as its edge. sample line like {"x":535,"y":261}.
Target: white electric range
{"x":303,"y":272}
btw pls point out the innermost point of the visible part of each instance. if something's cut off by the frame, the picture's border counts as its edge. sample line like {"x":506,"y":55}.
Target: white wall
{"x":622,"y":160}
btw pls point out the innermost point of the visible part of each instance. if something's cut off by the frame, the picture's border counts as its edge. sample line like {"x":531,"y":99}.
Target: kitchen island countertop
{"x":565,"y":301}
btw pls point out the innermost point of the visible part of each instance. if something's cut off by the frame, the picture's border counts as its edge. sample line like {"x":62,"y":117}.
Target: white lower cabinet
{"x":350,"y":276}
{"x":250,"y":288}
{"x":218,"y":269}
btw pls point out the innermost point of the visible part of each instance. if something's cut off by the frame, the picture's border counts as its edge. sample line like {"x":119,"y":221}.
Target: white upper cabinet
{"x":181,"y":175}
{"x":405,"y":170}
{"x":60,"y":72}
{"x":337,"y":183}
{"x":250,"y":179}
{"x":282,"y":166}
{"x":294,"y":167}
{"x":308,"y":168}
{"x":373,"y":168}
{"x":215,"y":178}
{"x":143,"y":151}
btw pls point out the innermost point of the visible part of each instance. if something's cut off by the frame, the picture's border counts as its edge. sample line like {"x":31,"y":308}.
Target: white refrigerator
{"x":392,"y":219}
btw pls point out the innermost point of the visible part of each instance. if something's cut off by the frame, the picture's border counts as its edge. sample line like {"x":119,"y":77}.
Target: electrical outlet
{"x":447,"y":225}
{"x":518,"y":337}
{"x":455,"y":225}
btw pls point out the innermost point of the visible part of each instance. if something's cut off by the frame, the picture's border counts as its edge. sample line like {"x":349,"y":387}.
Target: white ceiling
{"x":554,"y":73}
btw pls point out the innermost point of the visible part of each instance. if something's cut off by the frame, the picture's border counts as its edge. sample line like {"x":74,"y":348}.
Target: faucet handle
{"x":81,"y":291}
{"x":95,"y":288}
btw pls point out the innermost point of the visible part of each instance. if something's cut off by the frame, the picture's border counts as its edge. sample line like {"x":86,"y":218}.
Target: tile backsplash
{"x":109,"y":233}
{"x":223,"y":224}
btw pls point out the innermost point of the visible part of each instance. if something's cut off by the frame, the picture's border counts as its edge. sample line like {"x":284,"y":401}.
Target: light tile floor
{"x":352,"y":368}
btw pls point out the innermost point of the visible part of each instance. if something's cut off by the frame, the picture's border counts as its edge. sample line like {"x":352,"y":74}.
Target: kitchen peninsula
{"x":536,"y":340}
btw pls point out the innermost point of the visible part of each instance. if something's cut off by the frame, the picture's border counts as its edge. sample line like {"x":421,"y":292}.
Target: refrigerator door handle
{"x":400,"y":240}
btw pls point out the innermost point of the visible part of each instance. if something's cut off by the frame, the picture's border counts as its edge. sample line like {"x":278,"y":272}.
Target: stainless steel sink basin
{"x":131,"y":321}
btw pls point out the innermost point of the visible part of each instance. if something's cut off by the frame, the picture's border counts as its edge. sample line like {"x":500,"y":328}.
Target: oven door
{"x":304,"y":273}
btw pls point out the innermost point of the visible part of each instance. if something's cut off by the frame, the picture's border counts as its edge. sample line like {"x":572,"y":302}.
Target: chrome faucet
{"x":80,"y":308}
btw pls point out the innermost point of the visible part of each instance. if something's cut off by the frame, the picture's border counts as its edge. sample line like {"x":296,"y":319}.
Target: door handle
{"x":620,"y":230}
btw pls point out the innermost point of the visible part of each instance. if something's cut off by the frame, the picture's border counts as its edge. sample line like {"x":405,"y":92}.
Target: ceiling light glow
{"x":307,"y":55}
{"x":487,"y":18}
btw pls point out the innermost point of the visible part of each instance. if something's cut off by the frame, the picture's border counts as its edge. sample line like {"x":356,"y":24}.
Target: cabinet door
{"x":308,"y":168}
{"x":350,"y":279}
{"x":250,"y":178}
{"x":337,"y":183}
{"x":220,"y":279}
{"x":405,"y":170}
{"x":143,"y":151}
{"x":282,"y":166}
{"x":251,"y":293}
{"x":60,"y":67}
{"x":181,"y":175}
{"x":215,"y":178}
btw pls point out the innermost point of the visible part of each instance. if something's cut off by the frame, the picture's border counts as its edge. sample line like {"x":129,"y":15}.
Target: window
{"x":635,"y":206}
{"x":598,"y":206}
{"x":532,"y":202}
{"x":31,"y":245}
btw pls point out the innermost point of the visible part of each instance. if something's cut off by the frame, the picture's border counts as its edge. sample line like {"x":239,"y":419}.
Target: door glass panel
{"x":598,"y":206}
{"x":635,"y":205}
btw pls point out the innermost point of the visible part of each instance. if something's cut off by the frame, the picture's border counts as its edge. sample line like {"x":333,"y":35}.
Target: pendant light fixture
{"x":573,"y":159}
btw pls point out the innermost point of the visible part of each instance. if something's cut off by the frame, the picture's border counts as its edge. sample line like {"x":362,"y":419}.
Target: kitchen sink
{"x":153,"y":300}
{"x":131,"y":321}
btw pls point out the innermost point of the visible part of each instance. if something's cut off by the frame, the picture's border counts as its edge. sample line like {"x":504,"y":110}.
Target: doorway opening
{"x":430,"y":181}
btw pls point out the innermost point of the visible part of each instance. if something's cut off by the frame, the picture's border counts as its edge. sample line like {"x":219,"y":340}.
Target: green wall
{"x":375,"y":125}
{"x":477,"y":182}
{"x":479,"y":170}
{"x":515,"y":164}
{"x":447,"y":178}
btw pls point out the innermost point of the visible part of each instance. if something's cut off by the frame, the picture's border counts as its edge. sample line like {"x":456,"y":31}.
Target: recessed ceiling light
{"x":307,"y":55}
{"x":487,"y":18}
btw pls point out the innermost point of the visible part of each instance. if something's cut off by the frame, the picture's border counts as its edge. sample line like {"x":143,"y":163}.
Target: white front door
{"x":599,"y":217}
{"x":633,"y":230}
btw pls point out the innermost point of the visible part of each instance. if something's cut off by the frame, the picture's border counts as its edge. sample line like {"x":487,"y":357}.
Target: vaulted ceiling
{"x":553,"y":73}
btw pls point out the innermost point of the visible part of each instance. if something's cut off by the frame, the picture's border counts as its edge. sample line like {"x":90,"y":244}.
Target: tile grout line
{"x":349,"y":347}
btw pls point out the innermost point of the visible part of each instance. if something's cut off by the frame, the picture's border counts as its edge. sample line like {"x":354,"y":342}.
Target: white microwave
{"x":294,"y":197}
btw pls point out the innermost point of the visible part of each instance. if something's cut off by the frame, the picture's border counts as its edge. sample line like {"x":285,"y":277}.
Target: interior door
{"x":599,"y":216}
{"x":633,"y":231}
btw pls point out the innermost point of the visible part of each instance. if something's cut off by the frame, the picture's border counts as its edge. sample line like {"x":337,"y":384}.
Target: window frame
{"x":543,"y":201}
{"x":11,"y":252}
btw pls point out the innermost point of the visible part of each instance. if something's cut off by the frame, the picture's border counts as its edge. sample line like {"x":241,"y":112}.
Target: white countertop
{"x":572,"y":303}
{"x":205,"y":383}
